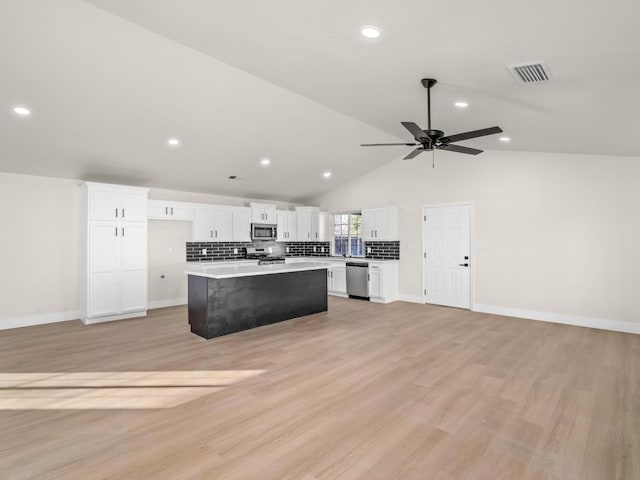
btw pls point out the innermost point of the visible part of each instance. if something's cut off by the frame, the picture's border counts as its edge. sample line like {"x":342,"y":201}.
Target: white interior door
{"x":446,"y":256}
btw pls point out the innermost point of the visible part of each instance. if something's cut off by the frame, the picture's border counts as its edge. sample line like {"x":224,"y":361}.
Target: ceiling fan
{"x":431,"y":139}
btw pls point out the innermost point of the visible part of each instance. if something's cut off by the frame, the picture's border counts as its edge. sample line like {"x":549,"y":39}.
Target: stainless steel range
{"x":264,"y":255}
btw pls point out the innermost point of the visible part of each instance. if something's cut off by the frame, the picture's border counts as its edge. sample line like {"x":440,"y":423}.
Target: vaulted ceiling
{"x":109,"y":81}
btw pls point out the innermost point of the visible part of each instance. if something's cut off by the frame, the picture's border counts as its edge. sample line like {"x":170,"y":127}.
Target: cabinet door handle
{"x":171,"y":210}
{"x":123,"y":213}
{"x":376,"y":233}
{"x":211,"y":234}
{"x":316,"y":234}
{"x":123,"y":231}
{"x":116,"y":213}
{"x":116,"y":231}
{"x":368,"y":277}
{"x":371,"y":233}
{"x":166,"y":210}
{"x":216,"y":233}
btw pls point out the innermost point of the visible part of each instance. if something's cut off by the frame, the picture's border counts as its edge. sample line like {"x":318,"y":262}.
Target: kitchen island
{"x":224,"y":300}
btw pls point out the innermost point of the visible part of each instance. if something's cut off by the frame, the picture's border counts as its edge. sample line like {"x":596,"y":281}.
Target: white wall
{"x":559,"y":233}
{"x":40,"y":248}
{"x":167,"y":258}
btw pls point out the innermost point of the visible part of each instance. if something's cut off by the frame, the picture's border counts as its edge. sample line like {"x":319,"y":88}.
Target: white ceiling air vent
{"x":531,"y":72}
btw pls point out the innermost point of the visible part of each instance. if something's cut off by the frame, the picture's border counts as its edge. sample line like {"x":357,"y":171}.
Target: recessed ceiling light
{"x":461,"y":104}
{"x":173,"y":141}
{"x":265,"y":162}
{"x":370,"y":32}
{"x":22,"y":111}
{"x":326,"y":174}
{"x":505,"y":139}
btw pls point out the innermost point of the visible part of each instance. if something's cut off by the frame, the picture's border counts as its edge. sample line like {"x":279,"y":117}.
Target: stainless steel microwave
{"x":260,"y":231}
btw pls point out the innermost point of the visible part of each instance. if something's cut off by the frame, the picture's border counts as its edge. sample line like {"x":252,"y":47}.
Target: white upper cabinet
{"x":264,"y":213}
{"x":380,"y":224}
{"x":287,"y":226}
{"x":307,"y":219}
{"x":116,"y":203}
{"x":324,"y":227}
{"x":203,"y":224}
{"x":221,"y":224}
{"x":163,"y":210}
{"x":241,"y":224}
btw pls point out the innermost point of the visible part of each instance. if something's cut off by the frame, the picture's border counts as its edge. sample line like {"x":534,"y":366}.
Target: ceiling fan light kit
{"x":433,"y":139}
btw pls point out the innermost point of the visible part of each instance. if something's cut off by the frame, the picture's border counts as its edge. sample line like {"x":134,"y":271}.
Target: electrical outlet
{"x":235,"y":251}
{"x":322,"y":249}
{"x":314,"y":249}
{"x":368,"y":249}
{"x":287,"y":249}
{"x":204,"y":251}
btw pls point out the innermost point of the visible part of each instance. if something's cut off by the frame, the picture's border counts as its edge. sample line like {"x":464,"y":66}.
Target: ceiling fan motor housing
{"x":434,"y":135}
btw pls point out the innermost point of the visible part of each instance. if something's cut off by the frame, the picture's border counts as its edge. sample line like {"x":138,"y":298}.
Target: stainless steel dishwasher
{"x":358,"y":280}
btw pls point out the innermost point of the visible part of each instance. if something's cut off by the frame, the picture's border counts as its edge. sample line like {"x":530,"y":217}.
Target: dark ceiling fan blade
{"x":414,"y":154}
{"x":473,"y":134}
{"x":415,"y":130}
{"x":386,"y":144}
{"x":460,"y":149}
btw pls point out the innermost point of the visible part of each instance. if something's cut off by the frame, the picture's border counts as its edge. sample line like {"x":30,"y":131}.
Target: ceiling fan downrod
{"x":428,"y":83}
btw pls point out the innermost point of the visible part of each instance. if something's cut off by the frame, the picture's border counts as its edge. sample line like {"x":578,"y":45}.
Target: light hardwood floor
{"x":364,"y":391}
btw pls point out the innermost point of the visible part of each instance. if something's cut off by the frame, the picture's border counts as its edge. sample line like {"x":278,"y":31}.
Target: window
{"x":347,"y":234}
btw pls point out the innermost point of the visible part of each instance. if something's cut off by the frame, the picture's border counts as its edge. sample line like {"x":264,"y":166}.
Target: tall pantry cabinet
{"x":115,"y":257}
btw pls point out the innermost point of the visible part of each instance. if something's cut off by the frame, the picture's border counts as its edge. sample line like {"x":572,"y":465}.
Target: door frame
{"x":471,"y":247}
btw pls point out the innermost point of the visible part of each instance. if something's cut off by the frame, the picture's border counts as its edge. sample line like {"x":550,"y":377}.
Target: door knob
{"x":464,"y":264}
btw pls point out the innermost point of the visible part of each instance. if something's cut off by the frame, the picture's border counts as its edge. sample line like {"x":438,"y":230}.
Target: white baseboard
{"x":410,"y":298}
{"x":599,"y":323}
{"x":110,"y":318}
{"x":41,"y":319}
{"x":172,"y":302}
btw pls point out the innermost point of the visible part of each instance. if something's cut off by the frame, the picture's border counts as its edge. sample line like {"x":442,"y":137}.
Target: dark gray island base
{"x":219,"y":306}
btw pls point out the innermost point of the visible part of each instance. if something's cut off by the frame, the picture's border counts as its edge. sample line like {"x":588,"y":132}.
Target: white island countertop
{"x":252,"y":270}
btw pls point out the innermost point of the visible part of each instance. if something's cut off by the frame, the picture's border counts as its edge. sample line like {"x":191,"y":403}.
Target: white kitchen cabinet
{"x":202,"y":224}
{"x":376,"y":285}
{"x":134,"y":266}
{"x":241,"y":224}
{"x":116,"y":252}
{"x":264,"y":213}
{"x":213,"y":224}
{"x":337,"y":280}
{"x":287,"y":226}
{"x":163,"y":210}
{"x":383,"y":281}
{"x":324,"y":227}
{"x":222,"y":224}
{"x":307,"y":219}
{"x":380,"y":224}
{"x":106,"y":203}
